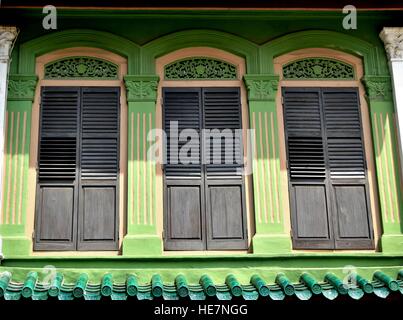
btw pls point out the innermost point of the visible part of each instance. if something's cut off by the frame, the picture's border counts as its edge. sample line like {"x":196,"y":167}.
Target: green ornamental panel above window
{"x":200,"y":68}
{"x":318,"y":68}
{"x":81,"y":68}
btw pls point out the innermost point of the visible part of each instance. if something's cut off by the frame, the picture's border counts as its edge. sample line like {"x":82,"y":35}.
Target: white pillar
{"x":393,"y":40}
{"x":7,"y":37}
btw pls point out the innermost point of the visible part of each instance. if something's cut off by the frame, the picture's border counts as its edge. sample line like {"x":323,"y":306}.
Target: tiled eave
{"x":173,"y":277}
{"x":381,"y":285}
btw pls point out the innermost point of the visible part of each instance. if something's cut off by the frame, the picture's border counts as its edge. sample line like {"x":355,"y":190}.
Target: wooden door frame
{"x":357,"y":64}
{"x":239,"y":62}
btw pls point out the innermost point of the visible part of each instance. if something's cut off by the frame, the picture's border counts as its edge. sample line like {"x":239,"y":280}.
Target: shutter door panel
{"x":311,"y":203}
{"x":100,"y":133}
{"x":99,"y":218}
{"x":223,"y":146}
{"x":343,"y":131}
{"x":225,"y":209}
{"x":311,"y":223}
{"x":227,"y":225}
{"x":352,"y":210}
{"x":183,"y":108}
{"x":184,"y":227}
{"x":99,"y":166}
{"x":305,"y":143}
{"x":56,"y":199}
{"x":58,"y":133}
{"x":54,"y":225}
{"x":184,"y":188}
{"x":347,"y":169}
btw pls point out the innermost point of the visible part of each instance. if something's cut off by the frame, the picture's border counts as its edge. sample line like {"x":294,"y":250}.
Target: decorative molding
{"x":393,"y":40}
{"x":141,"y":88}
{"x":7,"y":37}
{"x":200,"y":68}
{"x":261,"y":86}
{"x":378,"y":88}
{"x":318,"y":69}
{"x":22,"y":87}
{"x":81,"y":68}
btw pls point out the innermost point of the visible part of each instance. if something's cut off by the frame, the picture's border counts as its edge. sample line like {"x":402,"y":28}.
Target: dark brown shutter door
{"x":225,"y":194}
{"x":99,"y":169}
{"x":56,"y":201}
{"x":309,"y":194}
{"x":347,"y":169}
{"x":184,"y":203}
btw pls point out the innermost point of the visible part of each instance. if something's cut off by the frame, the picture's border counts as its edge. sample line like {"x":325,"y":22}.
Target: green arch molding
{"x":199,"y":38}
{"x":374,"y":59}
{"x":77,"y":38}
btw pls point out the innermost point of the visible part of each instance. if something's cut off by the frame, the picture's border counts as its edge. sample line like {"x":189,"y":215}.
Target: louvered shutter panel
{"x":57,"y":169}
{"x":311,"y":225}
{"x":184,"y":187}
{"x":347,"y":169}
{"x":225,"y":207}
{"x":99,"y":168}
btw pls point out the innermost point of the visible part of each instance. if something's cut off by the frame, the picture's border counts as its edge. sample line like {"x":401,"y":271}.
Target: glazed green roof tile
{"x":279,"y":288}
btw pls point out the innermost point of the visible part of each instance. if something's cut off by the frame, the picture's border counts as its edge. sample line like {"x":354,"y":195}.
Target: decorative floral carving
{"x":141,"y":88}
{"x":21,"y":87}
{"x":378,"y":87}
{"x":200,"y":68}
{"x":393,"y":40}
{"x":7,"y":37}
{"x":318,"y":68}
{"x":261,"y":87}
{"x":81,"y":67}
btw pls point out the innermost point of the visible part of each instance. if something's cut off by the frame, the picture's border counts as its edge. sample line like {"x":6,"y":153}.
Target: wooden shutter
{"x":77,"y":195}
{"x":327,"y":169}
{"x":184,"y":222}
{"x":311,"y":223}
{"x":57,"y":193}
{"x":99,"y":167}
{"x":204,"y":204}
{"x":224,"y":181}
{"x":347,"y":169}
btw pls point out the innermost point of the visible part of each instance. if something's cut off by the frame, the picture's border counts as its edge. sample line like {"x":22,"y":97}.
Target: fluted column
{"x":393,"y":40}
{"x":392,"y":238}
{"x":7,"y":37}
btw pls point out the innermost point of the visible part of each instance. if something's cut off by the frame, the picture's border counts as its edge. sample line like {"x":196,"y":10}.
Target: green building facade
{"x":87,"y":212}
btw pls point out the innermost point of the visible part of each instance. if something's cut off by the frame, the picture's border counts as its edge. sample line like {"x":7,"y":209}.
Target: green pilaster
{"x":270,"y":236}
{"x":21,"y":91}
{"x":141,"y":237}
{"x":383,"y":124}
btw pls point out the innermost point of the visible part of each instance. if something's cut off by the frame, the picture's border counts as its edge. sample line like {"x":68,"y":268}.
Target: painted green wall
{"x":257,"y":37}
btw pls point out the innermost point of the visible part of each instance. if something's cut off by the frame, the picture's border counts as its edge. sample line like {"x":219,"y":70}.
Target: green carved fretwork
{"x":318,"y":68}
{"x":81,"y":68}
{"x":200,"y":68}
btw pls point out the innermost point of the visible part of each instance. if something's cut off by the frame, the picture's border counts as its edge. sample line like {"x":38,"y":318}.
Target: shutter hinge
{"x":163,"y":234}
{"x":33,"y":235}
{"x":282,"y":100}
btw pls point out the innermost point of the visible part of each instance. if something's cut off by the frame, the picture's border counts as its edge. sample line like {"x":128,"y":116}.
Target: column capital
{"x":141,"y":87}
{"x":393,"y":40}
{"x":379,"y":88}
{"x":261,"y":87}
{"x":7,"y":37}
{"x":21,"y":87}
